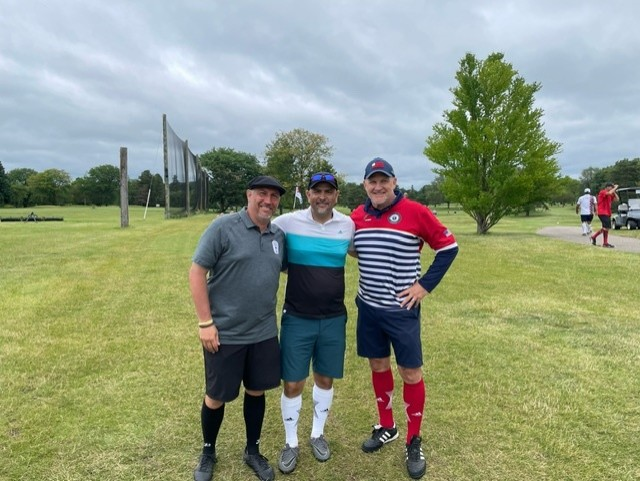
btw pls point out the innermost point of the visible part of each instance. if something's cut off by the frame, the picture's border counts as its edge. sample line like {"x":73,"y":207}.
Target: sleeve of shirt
{"x":438,"y":268}
{"x":210,"y":246}
{"x":441,"y":240}
{"x":433,"y":232}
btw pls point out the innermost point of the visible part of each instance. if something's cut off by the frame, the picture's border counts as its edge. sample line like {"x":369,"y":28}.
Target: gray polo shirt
{"x":244,"y":273}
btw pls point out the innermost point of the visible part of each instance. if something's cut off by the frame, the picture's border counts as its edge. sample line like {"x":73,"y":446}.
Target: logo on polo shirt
{"x":394,"y":218}
{"x":276,"y":247}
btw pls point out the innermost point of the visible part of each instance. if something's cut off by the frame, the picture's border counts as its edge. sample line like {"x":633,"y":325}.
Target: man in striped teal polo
{"x":313,"y":325}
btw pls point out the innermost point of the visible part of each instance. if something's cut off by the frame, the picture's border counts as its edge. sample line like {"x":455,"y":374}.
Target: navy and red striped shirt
{"x":388,"y":243}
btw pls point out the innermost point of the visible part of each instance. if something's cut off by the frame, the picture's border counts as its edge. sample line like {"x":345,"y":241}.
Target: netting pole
{"x":185,"y":153}
{"x":167,"y":197}
{"x":124,"y":189}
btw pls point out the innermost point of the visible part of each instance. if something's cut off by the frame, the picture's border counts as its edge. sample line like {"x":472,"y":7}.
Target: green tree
{"x":431,"y":194}
{"x":351,"y":194}
{"x":568,"y":191}
{"x":588,"y":179}
{"x":80,"y":191}
{"x":139,"y":189}
{"x":231,"y":172}
{"x":4,"y":186}
{"x":293,"y":156}
{"x":626,"y":173}
{"x":492,"y":150}
{"x":103,"y":182}
{"x":19,"y":194}
{"x":157,"y":191}
{"x":49,"y":187}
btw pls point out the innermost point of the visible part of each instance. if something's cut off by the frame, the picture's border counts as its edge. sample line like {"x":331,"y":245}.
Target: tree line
{"x":492,"y":159}
{"x":25,"y":187}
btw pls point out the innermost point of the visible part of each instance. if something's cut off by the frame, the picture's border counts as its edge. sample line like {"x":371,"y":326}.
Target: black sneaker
{"x":416,"y":464}
{"x":204,"y":469}
{"x":610,"y":246}
{"x":379,"y":437}
{"x":593,"y":240}
{"x":260,"y":466}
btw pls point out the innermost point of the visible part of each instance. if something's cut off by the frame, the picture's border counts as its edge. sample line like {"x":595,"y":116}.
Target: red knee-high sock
{"x":605,"y":234}
{"x":414,"y":398}
{"x":595,"y":236}
{"x":383,"y":389}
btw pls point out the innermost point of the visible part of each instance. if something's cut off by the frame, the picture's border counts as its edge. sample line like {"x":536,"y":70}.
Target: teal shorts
{"x":321,"y":341}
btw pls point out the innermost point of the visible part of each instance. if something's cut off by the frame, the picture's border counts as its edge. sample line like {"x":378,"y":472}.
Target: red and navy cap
{"x":378,"y":165}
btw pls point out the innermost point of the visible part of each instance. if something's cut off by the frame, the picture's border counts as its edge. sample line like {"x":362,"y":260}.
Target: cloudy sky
{"x":81,"y":78}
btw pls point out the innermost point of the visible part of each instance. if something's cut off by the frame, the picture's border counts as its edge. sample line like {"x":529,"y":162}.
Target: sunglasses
{"x":323,"y":177}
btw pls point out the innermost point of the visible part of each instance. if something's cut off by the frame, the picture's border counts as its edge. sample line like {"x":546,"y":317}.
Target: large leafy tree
{"x":19,"y":193}
{"x":103,"y":182}
{"x":493,"y":153}
{"x":231,"y":171}
{"x":293,"y":156}
{"x":49,"y":187}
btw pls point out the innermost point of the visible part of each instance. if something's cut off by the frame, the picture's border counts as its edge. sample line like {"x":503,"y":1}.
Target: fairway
{"x":531,"y":359}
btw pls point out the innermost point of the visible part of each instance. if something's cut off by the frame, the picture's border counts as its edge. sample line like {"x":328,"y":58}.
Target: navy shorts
{"x":257,"y":366}
{"x":321,"y":341}
{"x":586,"y":217}
{"x":379,"y":329}
{"x":605,"y":220}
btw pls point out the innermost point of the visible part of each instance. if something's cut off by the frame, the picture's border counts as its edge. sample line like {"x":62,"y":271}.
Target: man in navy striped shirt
{"x":390,"y":233}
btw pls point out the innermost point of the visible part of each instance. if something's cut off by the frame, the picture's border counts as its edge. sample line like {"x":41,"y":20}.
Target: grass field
{"x":531,"y":351}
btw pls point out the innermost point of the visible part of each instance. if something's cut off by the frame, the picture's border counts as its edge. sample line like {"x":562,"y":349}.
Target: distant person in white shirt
{"x":586,"y":207}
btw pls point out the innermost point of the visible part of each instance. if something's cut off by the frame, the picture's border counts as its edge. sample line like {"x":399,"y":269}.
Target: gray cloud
{"x":80,"y":79}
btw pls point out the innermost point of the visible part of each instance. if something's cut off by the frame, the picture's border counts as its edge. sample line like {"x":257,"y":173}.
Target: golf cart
{"x":628,"y":209}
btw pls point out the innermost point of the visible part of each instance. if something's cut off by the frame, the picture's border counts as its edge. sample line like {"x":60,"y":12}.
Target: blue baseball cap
{"x":327,"y":177}
{"x":378,"y":165}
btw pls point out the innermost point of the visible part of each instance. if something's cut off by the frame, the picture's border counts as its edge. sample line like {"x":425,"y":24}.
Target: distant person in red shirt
{"x":605,"y":198}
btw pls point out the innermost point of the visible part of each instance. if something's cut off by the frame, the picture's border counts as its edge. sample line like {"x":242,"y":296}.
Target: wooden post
{"x":124,"y":189}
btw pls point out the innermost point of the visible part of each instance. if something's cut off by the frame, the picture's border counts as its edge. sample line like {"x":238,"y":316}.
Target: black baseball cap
{"x":266,"y":181}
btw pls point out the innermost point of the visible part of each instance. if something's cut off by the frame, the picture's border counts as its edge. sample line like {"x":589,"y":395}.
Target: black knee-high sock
{"x":253,"y":409}
{"x":211,"y":420}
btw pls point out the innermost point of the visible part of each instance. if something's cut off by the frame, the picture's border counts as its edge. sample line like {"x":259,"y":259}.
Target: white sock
{"x":322,"y":400}
{"x":290,"y":408}
{"x":585,"y":228}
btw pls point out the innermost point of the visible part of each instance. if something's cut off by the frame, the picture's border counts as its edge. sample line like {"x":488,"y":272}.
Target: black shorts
{"x":605,"y":220}
{"x":586,"y":217}
{"x":256,"y":366}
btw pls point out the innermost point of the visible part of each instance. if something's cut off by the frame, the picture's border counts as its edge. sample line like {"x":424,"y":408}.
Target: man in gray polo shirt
{"x":234,"y":281}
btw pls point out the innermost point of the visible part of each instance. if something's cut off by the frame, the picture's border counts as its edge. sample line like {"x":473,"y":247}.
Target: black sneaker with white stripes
{"x":416,"y":463}
{"x":379,"y":437}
